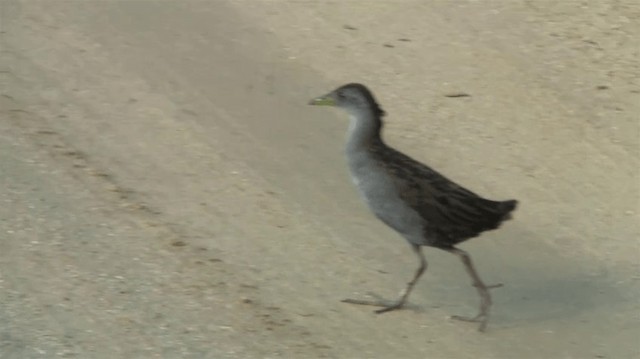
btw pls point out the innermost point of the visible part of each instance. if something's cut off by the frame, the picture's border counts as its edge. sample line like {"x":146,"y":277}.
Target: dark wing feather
{"x":452,"y":213}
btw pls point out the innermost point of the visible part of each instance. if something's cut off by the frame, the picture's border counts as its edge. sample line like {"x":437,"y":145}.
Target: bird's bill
{"x":325,"y":100}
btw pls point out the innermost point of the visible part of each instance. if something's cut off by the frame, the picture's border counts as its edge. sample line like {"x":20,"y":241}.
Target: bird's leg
{"x":405,"y":292}
{"x":483,"y":291}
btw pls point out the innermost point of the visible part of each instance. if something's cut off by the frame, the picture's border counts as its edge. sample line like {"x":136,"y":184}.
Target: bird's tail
{"x":506,"y":207}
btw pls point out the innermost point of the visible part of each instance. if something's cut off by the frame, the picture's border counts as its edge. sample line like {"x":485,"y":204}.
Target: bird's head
{"x":354,"y":98}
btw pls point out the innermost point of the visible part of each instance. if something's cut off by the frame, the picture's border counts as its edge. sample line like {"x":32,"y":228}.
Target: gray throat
{"x":364,"y":130}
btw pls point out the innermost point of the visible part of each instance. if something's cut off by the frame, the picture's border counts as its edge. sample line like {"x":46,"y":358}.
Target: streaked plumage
{"x":422,"y":205}
{"x":452,"y":214}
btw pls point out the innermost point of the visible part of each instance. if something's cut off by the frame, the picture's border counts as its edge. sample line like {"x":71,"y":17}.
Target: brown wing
{"x":452,"y":213}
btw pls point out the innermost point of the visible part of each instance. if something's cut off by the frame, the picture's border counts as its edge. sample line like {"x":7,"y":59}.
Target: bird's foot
{"x":386,"y":307}
{"x":481,"y":318}
{"x":396,"y":306}
{"x":492,"y":286}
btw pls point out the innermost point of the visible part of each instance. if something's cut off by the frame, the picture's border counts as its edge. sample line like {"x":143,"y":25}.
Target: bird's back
{"x":450,"y":213}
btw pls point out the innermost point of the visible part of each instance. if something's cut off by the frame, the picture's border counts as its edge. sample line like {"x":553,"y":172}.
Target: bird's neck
{"x":364,"y":130}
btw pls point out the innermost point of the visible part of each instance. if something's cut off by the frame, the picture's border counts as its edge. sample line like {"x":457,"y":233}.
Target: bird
{"x":419,"y":203}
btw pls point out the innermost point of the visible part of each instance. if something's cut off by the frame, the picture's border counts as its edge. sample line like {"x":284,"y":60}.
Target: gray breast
{"x":380,"y":194}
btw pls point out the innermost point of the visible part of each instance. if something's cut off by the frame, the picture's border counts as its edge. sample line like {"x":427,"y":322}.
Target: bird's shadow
{"x":546,"y":285}
{"x":558,"y":298}
{"x":542,"y":285}
{"x":526,"y":301}
{"x":527,"y":297}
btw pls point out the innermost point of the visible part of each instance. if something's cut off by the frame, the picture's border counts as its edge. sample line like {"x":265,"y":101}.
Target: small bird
{"x":422,"y":205}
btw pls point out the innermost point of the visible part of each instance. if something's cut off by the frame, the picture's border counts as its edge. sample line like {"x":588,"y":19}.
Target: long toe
{"x":375,"y":303}
{"x":480,"y":318}
{"x":386,"y":306}
{"x":390,"y":308}
{"x":477,"y":318}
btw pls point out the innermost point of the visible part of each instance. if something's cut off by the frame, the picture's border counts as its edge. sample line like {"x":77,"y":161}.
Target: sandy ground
{"x":167,"y":193}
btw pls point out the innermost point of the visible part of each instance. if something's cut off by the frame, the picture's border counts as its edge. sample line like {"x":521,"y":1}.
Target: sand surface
{"x":167,"y":193}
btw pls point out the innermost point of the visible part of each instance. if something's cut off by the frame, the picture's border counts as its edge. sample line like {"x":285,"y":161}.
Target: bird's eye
{"x":341,"y":95}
